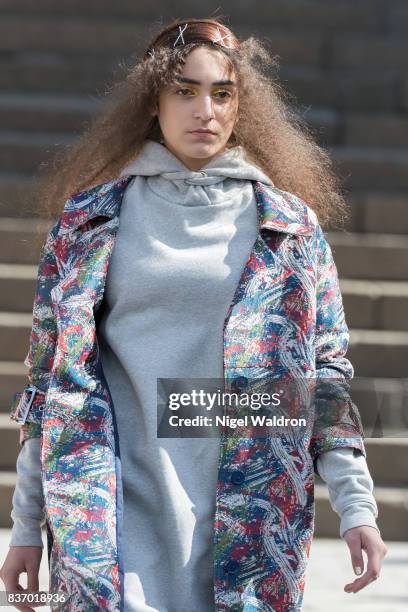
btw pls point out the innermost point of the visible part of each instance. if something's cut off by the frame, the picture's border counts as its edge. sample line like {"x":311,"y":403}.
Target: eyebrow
{"x":187,"y":80}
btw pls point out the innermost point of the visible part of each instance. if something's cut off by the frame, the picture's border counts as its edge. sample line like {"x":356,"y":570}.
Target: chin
{"x":203,"y":149}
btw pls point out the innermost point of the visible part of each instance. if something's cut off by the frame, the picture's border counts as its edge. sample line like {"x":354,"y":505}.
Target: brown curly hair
{"x":273,"y":135}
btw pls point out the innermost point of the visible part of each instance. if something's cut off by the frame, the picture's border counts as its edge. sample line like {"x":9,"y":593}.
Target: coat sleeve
{"x":337,"y":421}
{"x":27,"y":406}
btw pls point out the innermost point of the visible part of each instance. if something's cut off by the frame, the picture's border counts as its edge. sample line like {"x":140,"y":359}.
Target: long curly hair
{"x":274,"y":136}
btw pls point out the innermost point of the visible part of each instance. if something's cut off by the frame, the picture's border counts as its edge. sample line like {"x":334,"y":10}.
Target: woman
{"x":215,"y":270}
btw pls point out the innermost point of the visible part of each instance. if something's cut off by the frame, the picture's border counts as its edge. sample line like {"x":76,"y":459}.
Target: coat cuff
{"x":337,"y":421}
{"x":28,"y":406}
{"x":27,"y":410}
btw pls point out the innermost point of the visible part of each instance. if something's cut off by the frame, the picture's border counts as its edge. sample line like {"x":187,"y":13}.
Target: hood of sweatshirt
{"x":217,"y":181}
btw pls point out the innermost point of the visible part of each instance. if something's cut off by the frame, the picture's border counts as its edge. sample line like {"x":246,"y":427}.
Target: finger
{"x":358,"y":583}
{"x":372,"y":573}
{"x":32,"y":579}
{"x":356,"y":554}
{"x":12,"y":586}
{"x":19,"y":589}
{"x":374,"y":561}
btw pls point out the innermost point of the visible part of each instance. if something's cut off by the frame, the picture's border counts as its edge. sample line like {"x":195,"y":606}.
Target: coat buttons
{"x":231,"y":567}
{"x":240,"y":383}
{"x":237,"y":477}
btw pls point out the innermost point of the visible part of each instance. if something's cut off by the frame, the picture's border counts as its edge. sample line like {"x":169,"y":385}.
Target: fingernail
{"x":358,"y":570}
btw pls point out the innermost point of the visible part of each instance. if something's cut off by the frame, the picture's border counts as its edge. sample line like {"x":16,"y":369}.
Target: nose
{"x":204,"y":108}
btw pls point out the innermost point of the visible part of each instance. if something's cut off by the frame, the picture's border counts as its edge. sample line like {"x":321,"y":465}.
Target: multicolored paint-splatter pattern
{"x":286,"y":322}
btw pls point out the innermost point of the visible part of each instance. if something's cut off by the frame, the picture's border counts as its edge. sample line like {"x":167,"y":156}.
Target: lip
{"x":203,"y":132}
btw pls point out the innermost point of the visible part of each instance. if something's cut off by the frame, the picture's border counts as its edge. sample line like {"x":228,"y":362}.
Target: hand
{"x":368,"y":539}
{"x":22,"y":559}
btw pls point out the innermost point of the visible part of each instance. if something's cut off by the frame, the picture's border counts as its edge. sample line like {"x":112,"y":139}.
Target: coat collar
{"x":278,"y":210}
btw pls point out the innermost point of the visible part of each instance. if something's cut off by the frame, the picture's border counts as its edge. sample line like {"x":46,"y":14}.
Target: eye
{"x":184,"y":89}
{"x":221,"y":94}
{"x":228,"y":95}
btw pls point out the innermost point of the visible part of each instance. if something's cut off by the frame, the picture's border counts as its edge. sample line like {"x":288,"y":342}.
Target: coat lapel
{"x":278,"y":210}
{"x":100,"y":201}
{"x":281,"y":211}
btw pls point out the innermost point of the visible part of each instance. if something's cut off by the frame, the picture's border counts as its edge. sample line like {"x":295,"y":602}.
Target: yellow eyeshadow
{"x":194,"y":91}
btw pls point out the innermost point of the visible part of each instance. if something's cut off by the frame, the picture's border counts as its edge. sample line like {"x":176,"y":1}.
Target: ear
{"x":152,"y":110}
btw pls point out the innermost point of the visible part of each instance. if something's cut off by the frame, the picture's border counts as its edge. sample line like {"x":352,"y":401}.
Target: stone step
{"x":9,"y":443}
{"x":392,"y":519}
{"x":36,"y":72}
{"x":25,"y":151}
{"x":383,"y":406}
{"x":76,"y":34}
{"x":373,"y":256}
{"x":397,"y":19}
{"x":73,"y":35}
{"x":364,"y":90}
{"x":367,"y":213}
{"x":13,"y":379}
{"x":379,"y":353}
{"x":382,"y":402}
{"x":377,"y":31}
{"x":370,"y":256}
{"x":366,"y":208}
{"x":372,"y":168}
{"x":381,"y":454}
{"x":374,"y":129}
{"x":49,"y":113}
{"x":365,"y":167}
{"x":369,"y":51}
{"x":392,"y":505}
{"x":387,"y":460}
{"x":45,"y":112}
{"x":17,"y":287}
{"x":373,"y":353}
{"x":14,"y":335}
{"x":368,"y":304}
{"x":8,"y":481}
{"x":375,"y":304}
{"x":21,"y":239}
{"x":14,"y":195}
{"x":354,"y":128}
{"x":342,"y":15}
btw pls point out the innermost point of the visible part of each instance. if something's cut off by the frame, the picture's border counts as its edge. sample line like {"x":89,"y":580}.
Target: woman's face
{"x":206,"y":98}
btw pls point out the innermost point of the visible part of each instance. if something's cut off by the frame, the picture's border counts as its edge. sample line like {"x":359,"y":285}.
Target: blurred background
{"x":346,"y":64}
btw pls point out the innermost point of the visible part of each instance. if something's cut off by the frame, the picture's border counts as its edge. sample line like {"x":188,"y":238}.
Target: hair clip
{"x":220,"y":39}
{"x":181,"y":34}
{"x":150,"y":52}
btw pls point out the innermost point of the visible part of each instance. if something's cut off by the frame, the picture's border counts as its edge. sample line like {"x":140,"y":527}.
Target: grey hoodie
{"x":183,"y":240}
{"x":165,"y":174}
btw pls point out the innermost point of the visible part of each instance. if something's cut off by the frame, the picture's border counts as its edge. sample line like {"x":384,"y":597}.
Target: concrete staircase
{"x":346,"y":63}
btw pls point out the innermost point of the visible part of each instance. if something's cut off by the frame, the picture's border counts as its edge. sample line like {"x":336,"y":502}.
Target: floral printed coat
{"x":286,"y":320}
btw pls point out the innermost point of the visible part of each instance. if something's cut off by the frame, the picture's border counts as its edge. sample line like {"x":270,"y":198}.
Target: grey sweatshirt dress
{"x":183,"y":240}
